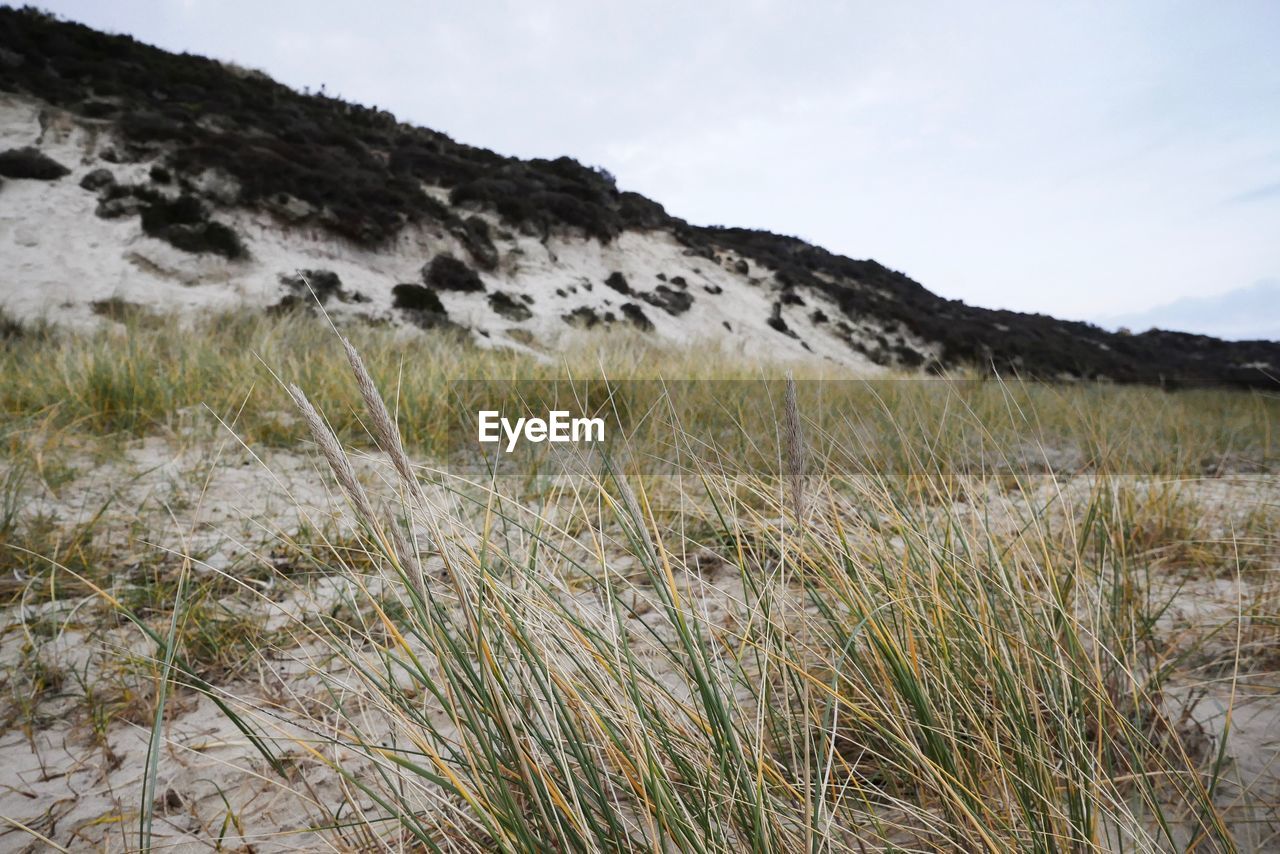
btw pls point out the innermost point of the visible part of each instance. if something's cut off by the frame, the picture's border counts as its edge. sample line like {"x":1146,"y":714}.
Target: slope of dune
{"x":173,"y":181}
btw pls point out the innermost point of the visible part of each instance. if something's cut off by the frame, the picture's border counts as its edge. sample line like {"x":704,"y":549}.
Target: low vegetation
{"x":135,"y":378}
{"x":31,"y":163}
{"x":357,"y":170}
{"x":1007,"y":342}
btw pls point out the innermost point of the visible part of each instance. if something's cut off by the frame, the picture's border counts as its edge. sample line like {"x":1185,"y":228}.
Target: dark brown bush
{"x":31,"y":163}
{"x":446,"y":273}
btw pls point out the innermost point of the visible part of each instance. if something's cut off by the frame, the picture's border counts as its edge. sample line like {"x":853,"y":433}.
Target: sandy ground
{"x":62,"y":778}
{"x":85,"y":791}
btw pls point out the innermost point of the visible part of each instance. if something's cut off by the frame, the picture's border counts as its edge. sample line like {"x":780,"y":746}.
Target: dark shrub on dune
{"x":618,"y":282}
{"x":210,"y":237}
{"x":413,"y":297}
{"x":582,"y":317}
{"x":503,"y":304}
{"x":671,"y":301}
{"x":421,"y":305}
{"x":447,"y":273}
{"x":474,"y":234}
{"x":313,"y":286}
{"x":184,"y":223}
{"x":31,"y":163}
{"x":98,"y":179}
{"x":636,"y":315}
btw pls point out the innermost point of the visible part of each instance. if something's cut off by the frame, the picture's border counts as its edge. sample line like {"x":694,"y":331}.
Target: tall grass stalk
{"x":651,"y":664}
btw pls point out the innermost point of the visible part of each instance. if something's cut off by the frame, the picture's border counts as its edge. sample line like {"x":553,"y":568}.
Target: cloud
{"x":1264,"y":193}
{"x":1241,"y":314}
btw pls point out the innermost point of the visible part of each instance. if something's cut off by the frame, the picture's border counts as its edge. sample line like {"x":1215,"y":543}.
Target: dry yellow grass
{"x":933,"y":659}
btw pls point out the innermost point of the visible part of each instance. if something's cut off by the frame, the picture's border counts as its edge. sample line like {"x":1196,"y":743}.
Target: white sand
{"x":59,"y":258}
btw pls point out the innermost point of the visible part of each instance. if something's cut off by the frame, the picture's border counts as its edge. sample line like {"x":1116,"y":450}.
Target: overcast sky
{"x":1081,"y":159}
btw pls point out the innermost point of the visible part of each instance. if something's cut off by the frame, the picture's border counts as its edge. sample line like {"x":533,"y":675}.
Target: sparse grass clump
{"x":902,"y":676}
